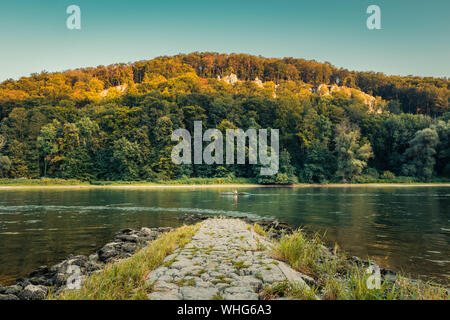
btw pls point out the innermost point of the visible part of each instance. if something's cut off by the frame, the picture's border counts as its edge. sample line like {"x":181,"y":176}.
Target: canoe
{"x":232,"y":194}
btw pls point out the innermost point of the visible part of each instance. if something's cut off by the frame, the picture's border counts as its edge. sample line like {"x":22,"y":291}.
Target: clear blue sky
{"x":415,"y":35}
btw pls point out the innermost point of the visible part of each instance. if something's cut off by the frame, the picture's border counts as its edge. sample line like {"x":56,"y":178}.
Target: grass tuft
{"x":289,"y":290}
{"x":259,"y":230}
{"x":341,"y":279}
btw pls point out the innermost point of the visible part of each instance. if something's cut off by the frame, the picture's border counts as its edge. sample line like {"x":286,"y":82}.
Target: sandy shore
{"x":204,"y":186}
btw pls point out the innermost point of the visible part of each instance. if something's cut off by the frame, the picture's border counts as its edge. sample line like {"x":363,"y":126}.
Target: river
{"x":402,"y":228}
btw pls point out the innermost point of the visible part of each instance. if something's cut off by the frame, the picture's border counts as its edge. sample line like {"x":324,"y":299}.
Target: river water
{"x":402,"y":228}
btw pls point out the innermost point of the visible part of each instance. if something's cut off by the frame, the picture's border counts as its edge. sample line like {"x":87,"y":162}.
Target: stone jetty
{"x":226,"y":259}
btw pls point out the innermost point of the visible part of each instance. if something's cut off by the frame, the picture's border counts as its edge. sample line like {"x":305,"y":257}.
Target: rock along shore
{"x":37,"y":285}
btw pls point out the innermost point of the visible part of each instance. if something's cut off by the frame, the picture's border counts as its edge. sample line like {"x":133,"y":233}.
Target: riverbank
{"x":228,"y":182}
{"x":12,"y":185}
{"x":194,"y":186}
{"x":47,"y":280}
{"x":217,"y":258}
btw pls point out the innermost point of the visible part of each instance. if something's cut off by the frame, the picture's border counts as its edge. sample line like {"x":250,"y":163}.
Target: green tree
{"x":443,"y":148}
{"x":320,"y":164}
{"x":285,"y":174}
{"x":5,"y":163}
{"x":127,"y":157}
{"x":47,"y":143}
{"x":352,"y":155}
{"x":420,"y":154}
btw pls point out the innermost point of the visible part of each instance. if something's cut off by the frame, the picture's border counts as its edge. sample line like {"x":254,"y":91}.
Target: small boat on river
{"x":234,"y":194}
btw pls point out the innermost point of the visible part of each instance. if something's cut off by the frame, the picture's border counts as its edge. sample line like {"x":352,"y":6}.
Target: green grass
{"x":126,"y":280}
{"x":24,"y":182}
{"x":217,"y":297}
{"x":259,"y":230}
{"x":181,"y":181}
{"x":340,"y":279}
{"x":400,"y":179}
{"x":289,"y":290}
{"x":206,"y":181}
{"x":41,"y":182}
{"x":240,"y":265}
{"x":184,"y":282}
{"x":221,"y":279}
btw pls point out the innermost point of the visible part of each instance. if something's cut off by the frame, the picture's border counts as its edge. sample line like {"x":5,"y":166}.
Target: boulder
{"x":14,"y":289}
{"x":60,"y":279}
{"x":32,"y":292}
{"x":40,"y":271}
{"x":93,"y":258}
{"x":23,"y":282}
{"x":126,"y":231}
{"x":128,"y":247}
{"x":38,"y":281}
{"x":8,"y":297}
{"x":92,"y":267}
{"x":79,"y":260}
{"x":127,"y":238}
{"x":108,"y":251}
{"x":149,"y":232}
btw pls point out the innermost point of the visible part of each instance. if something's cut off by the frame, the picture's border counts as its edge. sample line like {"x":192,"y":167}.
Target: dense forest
{"x":115,"y":122}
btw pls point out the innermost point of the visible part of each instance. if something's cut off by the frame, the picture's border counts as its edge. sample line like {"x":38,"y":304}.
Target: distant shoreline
{"x":203,"y":186}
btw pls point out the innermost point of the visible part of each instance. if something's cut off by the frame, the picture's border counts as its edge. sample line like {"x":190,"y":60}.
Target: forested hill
{"x":416,"y":94}
{"x":114,"y":122}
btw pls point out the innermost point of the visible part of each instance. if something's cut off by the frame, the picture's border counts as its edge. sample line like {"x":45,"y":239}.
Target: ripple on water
{"x":32,"y":221}
{"x":439,"y":262}
{"x":27,"y":208}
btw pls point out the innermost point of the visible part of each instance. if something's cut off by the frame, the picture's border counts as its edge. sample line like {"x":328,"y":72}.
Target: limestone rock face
{"x":230,"y":79}
{"x":119,"y":89}
{"x":258,"y":82}
{"x":370,"y":101}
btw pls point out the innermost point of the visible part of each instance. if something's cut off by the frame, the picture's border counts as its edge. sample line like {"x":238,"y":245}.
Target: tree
{"x":285,"y":174}
{"x":88,"y":130}
{"x":320,"y":164}
{"x":5,"y":163}
{"x":127,"y":157}
{"x":420,"y":154}
{"x":443,"y":148}
{"x":47,"y":143}
{"x":352,"y":155}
